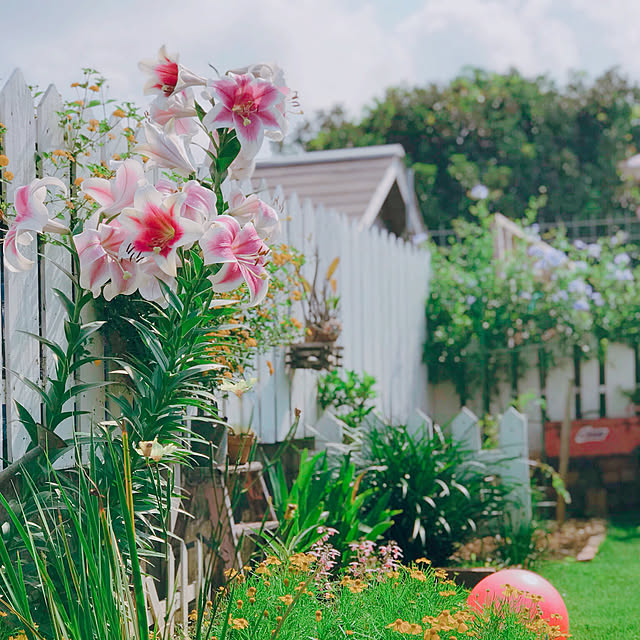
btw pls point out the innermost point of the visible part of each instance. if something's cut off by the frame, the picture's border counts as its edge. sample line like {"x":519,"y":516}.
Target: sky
{"x":333,"y":51}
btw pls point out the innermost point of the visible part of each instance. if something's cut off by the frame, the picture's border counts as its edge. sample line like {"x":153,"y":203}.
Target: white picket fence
{"x":593,"y":389}
{"x":382,"y":282}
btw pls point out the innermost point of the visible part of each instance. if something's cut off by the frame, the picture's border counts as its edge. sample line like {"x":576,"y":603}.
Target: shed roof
{"x":355,"y":182}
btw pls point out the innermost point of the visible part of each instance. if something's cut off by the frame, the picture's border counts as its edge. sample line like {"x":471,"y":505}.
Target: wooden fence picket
{"x":21,"y":290}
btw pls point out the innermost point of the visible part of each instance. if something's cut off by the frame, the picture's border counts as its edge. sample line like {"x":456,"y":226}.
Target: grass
{"x":603,"y":596}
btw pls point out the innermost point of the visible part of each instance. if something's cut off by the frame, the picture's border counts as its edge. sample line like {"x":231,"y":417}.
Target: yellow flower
{"x":119,"y":113}
{"x":417,"y":575}
{"x":8,"y":176}
{"x":287,"y":599}
{"x":262,"y":570}
{"x":272,"y":560}
{"x":94,"y":87}
{"x":238,"y":623}
{"x":318,"y":615}
{"x":4,"y":161}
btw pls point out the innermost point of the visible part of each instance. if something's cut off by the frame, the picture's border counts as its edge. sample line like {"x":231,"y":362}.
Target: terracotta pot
{"x":239,"y":447}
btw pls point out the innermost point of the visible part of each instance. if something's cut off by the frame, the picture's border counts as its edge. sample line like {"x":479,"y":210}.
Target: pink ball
{"x":492,"y":589}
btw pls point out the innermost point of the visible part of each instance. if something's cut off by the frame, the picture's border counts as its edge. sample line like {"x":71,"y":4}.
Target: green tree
{"x":518,"y":136}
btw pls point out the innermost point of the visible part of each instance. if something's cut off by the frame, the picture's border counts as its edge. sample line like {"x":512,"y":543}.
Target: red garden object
{"x":594,"y":438}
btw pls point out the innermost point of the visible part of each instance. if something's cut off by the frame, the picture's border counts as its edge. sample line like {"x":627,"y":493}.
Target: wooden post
{"x":565,"y":441}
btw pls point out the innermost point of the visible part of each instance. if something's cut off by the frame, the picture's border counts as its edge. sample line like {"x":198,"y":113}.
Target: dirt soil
{"x":554,"y":543}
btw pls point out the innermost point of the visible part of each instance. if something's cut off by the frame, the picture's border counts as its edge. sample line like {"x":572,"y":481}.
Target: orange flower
{"x":4,"y":161}
{"x":119,"y":113}
{"x":270,"y":367}
{"x":8,"y":176}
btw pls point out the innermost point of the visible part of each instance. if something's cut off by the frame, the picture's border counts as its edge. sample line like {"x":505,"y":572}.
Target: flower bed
{"x":294,"y":599}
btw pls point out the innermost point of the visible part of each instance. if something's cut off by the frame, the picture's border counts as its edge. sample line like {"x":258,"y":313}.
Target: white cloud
{"x":334,"y":51}
{"x":496,"y":34}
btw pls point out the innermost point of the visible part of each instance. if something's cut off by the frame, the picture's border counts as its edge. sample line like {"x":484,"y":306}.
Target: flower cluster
{"x":134,"y":236}
{"x":553,"y":295}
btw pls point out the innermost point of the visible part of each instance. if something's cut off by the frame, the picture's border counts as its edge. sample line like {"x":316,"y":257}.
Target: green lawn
{"x":603,"y":596}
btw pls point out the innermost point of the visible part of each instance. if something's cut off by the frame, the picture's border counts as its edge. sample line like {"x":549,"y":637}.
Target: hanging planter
{"x":323,"y":327}
{"x":314,"y":355}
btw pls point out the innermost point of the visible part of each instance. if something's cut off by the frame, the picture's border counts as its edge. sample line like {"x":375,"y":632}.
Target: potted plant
{"x":321,"y":307}
{"x":240,"y":441}
{"x":240,"y":438}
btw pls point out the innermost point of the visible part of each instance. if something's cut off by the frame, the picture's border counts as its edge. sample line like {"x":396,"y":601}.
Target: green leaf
{"x":27,"y":421}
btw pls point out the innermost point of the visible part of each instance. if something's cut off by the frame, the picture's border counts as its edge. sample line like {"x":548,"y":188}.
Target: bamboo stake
{"x":565,"y":438}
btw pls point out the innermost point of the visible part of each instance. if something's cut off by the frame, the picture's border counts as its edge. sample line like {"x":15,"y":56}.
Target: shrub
{"x":326,"y":497}
{"x":349,"y":395}
{"x":443,"y":494}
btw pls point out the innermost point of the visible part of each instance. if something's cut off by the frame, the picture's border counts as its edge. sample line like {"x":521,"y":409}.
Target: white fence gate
{"x":382,"y":283}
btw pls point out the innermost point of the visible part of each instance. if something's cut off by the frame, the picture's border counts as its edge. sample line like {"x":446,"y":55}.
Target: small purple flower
{"x":597,"y":299}
{"x":624,"y":275}
{"x":622,"y":259}
{"x":594,"y":250}
{"x":471,"y":300}
{"x":479,"y":192}
{"x":577,"y":286}
{"x":580,"y":245}
{"x":581,"y":305}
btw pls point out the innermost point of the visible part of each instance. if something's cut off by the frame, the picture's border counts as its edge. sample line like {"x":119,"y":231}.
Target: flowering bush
{"x":483,"y":312}
{"x":194,"y":246}
{"x":190,"y":241}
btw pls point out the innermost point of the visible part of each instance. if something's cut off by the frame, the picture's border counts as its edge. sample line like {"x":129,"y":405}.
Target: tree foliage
{"x":518,"y":136}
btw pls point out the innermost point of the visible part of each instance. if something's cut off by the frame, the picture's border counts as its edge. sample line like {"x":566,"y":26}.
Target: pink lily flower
{"x":163,"y":72}
{"x":179,"y":106}
{"x":251,"y":209}
{"x":31,"y":215}
{"x":156,"y":229}
{"x":275,"y":75}
{"x":166,"y":75}
{"x":166,"y":187}
{"x":243,"y":208}
{"x":266,"y":221}
{"x":116,"y":194}
{"x":249,"y":105}
{"x":101,"y":264}
{"x":243,"y":255}
{"x":149,"y":278}
{"x":242,"y":167}
{"x":165,"y":148}
{"x":199,"y":204}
